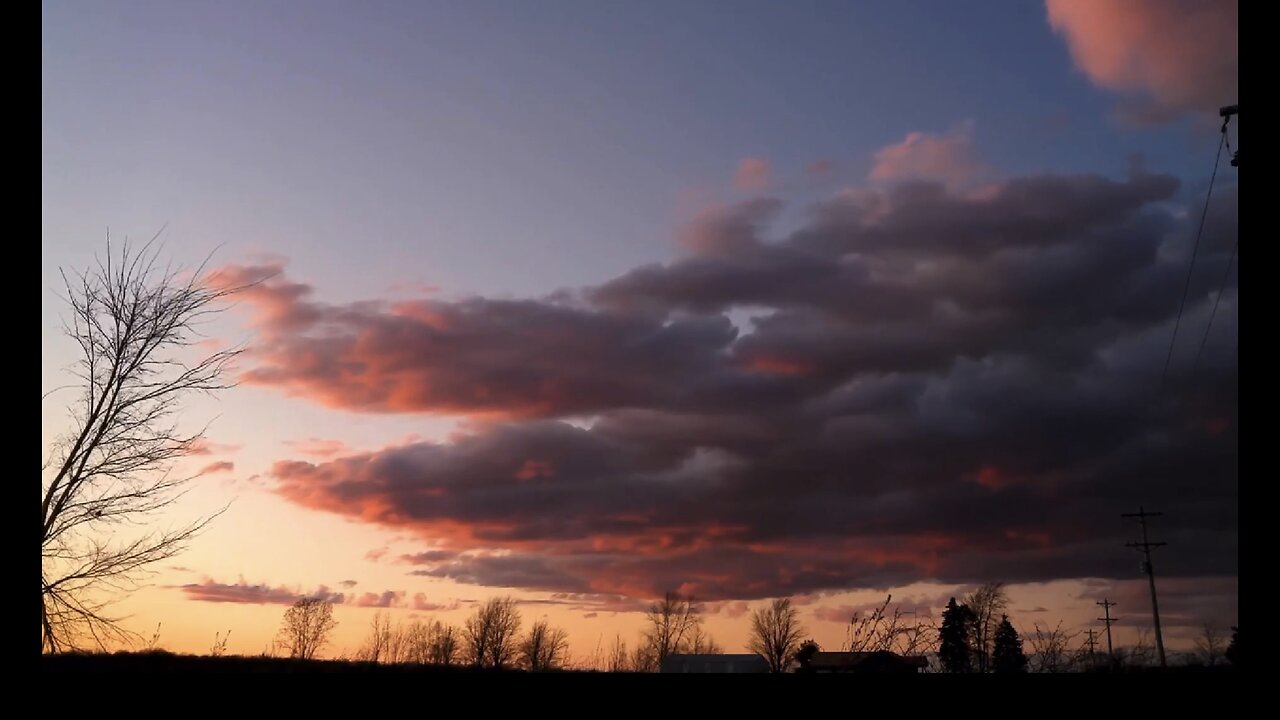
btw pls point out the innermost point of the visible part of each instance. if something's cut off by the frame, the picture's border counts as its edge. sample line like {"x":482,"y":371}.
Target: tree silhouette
{"x":1232,"y":650}
{"x":805,"y":653}
{"x":445,"y":644}
{"x":135,"y":323}
{"x":1210,"y":646}
{"x":1007,"y":655}
{"x":987,"y":604}
{"x":776,"y":633}
{"x":387,"y":643}
{"x":544,"y":648}
{"x":953,"y":638}
{"x":491,"y":634}
{"x":306,"y":627}
{"x":1051,"y":648}
{"x":700,"y":642}
{"x":618,"y":660}
{"x":904,"y":633}
{"x":671,"y":624}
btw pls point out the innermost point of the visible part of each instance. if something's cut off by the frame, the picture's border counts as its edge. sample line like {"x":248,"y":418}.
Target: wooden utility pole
{"x":1091,"y":639}
{"x":1146,"y":546}
{"x":1107,"y":620}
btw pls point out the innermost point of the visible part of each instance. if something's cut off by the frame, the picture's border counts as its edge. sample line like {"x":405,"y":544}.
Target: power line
{"x":1195,"y":250}
{"x":1226,"y":114}
{"x":1222,"y":288}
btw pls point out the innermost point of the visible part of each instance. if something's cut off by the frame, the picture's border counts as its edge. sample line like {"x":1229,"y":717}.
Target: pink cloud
{"x":1168,"y":57}
{"x":753,"y":175}
{"x":820,"y":168}
{"x":204,"y":446}
{"x":386,"y":599}
{"x":421,"y":602}
{"x":245,"y":593}
{"x":948,"y":158}
{"x":318,"y":447}
{"x":217,"y":467}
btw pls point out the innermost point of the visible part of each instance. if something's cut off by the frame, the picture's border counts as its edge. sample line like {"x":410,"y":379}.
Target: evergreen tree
{"x":805,"y":654}
{"x":1007,"y":655}
{"x":953,"y":649}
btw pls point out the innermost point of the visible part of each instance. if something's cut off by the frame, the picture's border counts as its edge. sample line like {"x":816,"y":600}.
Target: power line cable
{"x":1222,"y":288}
{"x":1195,"y":250}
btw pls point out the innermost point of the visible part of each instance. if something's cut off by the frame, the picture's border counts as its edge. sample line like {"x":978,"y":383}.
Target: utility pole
{"x":1106,"y":609}
{"x":1226,"y":113}
{"x":1092,"y":642}
{"x":1146,"y":546}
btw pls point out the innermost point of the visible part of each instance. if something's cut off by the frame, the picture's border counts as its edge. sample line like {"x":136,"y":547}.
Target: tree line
{"x":974,"y":635}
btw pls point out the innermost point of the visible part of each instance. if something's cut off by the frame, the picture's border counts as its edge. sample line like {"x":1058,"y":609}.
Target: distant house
{"x":866,"y":662}
{"x":751,"y":663}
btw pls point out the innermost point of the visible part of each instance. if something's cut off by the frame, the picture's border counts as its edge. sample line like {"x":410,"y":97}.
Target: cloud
{"x":1166,"y":56}
{"x":421,"y":602}
{"x":733,"y":609}
{"x":242,"y":592}
{"x":502,"y":358}
{"x":820,"y":169}
{"x":948,"y":158}
{"x":317,"y":447}
{"x":385,"y":599}
{"x":933,"y":384}
{"x":210,"y":590}
{"x":207,"y":447}
{"x":753,"y":175}
{"x":1186,"y":604}
{"x":909,"y":606}
{"x":218,"y":467}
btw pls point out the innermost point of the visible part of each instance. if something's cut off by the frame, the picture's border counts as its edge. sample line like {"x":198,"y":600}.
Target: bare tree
{"x":989,"y":603}
{"x":416,"y":641}
{"x":776,"y":633}
{"x":643,"y":659}
{"x":491,"y":634}
{"x":306,"y":627}
{"x":429,"y":643}
{"x":1211,"y":645}
{"x":1050,"y":649}
{"x":700,"y":642}
{"x":900,"y":631}
{"x":617,"y":661}
{"x":446,"y":643}
{"x":1141,"y":654}
{"x":670,"y":624}
{"x":386,"y":643}
{"x":544,"y":648}
{"x":134,"y":323}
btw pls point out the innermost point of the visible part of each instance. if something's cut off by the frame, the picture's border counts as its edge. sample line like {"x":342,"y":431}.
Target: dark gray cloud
{"x":936,"y":386}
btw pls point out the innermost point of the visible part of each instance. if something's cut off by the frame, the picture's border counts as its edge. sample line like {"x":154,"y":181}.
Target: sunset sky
{"x":584,"y":301}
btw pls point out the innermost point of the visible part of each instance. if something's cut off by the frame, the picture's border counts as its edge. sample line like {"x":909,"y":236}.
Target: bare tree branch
{"x":306,"y":627}
{"x":135,"y":322}
{"x":544,"y":648}
{"x":490,"y":635}
{"x":671,"y":624}
{"x":776,"y":633}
